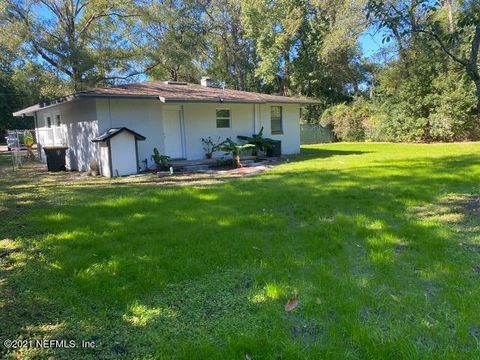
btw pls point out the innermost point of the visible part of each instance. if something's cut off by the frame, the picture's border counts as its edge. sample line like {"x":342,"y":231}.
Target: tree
{"x":231,"y":55}
{"x":415,"y":17}
{"x":12,"y":96}
{"x":86,"y":42}
{"x":274,"y":28}
{"x":328,"y":64}
{"x":174,"y":39}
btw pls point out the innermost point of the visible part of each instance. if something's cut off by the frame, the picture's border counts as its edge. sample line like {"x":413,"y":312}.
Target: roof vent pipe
{"x":206,"y":81}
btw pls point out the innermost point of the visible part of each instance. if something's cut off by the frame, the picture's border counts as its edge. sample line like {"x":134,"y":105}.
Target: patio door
{"x":172,"y":129}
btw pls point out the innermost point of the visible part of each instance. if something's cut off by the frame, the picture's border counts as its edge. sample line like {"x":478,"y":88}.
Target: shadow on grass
{"x":189,"y":271}
{"x":315,"y":153}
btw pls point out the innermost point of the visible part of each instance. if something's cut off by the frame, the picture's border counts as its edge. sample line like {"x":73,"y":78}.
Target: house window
{"x":49,"y":122}
{"x":276,"y":120}
{"x":223,"y":118}
{"x":58,"y":121}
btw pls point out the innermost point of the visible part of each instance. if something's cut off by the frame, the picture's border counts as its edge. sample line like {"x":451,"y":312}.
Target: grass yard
{"x":380,"y":244}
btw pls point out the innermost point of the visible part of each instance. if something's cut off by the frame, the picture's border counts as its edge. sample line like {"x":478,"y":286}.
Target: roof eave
{"x":31,"y":110}
{"x":129,"y":96}
{"x":240,"y":101}
{"x":210,"y":101}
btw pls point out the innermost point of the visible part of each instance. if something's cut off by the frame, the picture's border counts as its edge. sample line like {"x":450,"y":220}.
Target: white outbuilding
{"x":119,"y":151}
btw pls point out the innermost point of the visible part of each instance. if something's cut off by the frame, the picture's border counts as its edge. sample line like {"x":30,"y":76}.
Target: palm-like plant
{"x":161,"y":161}
{"x":236,"y":149}
{"x":260,"y":143}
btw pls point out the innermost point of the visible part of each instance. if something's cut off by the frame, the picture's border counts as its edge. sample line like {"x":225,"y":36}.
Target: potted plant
{"x":209,"y":146}
{"x":235,"y":149}
{"x":161,"y":161}
{"x":260,"y":143}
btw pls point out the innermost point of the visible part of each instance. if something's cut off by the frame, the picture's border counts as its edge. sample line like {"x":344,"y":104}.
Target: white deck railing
{"x":54,"y":136}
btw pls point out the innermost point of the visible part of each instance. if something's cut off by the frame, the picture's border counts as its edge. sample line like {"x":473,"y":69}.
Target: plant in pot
{"x":210,"y":146}
{"x":162,"y":162}
{"x":235,"y":149}
{"x":261,"y":144}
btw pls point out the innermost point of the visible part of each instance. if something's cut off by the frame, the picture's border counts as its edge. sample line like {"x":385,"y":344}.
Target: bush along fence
{"x":315,"y":134}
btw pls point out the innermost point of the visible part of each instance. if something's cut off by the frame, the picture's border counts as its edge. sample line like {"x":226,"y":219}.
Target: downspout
{"x":110,"y":113}
{"x":254,"y":118}
{"x":259,"y":116}
{"x":183,"y":132}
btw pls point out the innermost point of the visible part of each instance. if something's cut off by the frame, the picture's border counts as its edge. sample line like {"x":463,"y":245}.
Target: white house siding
{"x":79,"y":126}
{"x":143,"y":116}
{"x":84,"y":119}
{"x":200,"y":122}
{"x":246,"y":119}
{"x":291,"y":126}
{"x":81,"y":145}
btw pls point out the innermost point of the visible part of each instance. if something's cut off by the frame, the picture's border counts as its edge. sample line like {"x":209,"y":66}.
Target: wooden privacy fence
{"x":315,"y":134}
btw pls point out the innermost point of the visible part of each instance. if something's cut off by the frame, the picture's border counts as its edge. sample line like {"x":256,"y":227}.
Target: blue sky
{"x":371,"y":42}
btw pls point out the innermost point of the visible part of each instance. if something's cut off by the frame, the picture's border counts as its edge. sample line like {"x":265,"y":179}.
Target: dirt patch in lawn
{"x":461,"y":212}
{"x":36,"y":173}
{"x":454,"y":208}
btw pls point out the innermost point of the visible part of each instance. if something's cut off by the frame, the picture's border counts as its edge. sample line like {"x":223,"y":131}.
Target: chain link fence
{"x":22,"y":146}
{"x":315,"y":134}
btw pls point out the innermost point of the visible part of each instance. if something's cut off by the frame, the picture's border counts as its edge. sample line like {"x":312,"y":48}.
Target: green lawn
{"x":5,"y":159}
{"x":380,"y":244}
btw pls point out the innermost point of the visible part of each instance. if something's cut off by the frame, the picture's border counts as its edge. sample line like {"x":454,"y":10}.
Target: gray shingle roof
{"x":171,"y":92}
{"x":178,"y":92}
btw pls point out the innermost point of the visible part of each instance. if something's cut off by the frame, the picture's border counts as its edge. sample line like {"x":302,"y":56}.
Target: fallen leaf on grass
{"x":395,"y":298}
{"x":291,"y":305}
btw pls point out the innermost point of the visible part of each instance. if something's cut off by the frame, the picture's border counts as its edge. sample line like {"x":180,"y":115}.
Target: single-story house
{"x":119,"y":126}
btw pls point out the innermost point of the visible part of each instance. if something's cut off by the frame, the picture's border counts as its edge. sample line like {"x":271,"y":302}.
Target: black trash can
{"x":275,"y":148}
{"x":55,"y":157}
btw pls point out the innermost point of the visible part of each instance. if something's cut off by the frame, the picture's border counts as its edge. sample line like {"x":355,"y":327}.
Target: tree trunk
{"x":76,"y":79}
{"x":472,"y":67}
{"x":174,"y":74}
{"x":286,"y":74}
{"x":477,"y":92}
{"x":450,"y":15}
{"x":401,"y":48}
{"x":236,"y":161}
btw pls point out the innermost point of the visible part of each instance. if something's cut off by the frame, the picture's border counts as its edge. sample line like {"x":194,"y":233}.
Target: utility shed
{"x":119,"y":151}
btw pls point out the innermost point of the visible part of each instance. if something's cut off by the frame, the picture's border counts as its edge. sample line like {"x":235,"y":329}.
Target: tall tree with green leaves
{"x":328,"y":64}
{"x":274,"y":28}
{"x":87,"y":43}
{"x":175,"y":43}
{"x":461,"y":42}
{"x":231,"y":55}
